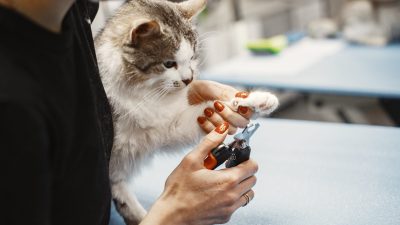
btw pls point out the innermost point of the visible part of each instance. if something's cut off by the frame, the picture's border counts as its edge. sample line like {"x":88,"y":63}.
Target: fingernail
{"x":243,"y":109}
{"x":219,"y":106}
{"x":201,"y":119}
{"x":208,"y":112}
{"x":242,"y":94}
{"x":222,"y":128}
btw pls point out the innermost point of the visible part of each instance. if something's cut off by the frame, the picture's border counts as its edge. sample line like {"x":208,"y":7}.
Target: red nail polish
{"x":242,"y":94}
{"x":201,"y":119}
{"x":243,"y":110}
{"x":208,"y":112}
{"x":222,"y":128}
{"x":219,"y":106}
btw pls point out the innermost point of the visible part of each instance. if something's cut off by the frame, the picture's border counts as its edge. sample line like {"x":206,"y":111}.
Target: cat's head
{"x":156,"y":42}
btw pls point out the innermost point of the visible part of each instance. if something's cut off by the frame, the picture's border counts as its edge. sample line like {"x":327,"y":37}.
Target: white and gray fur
{"x":150,"y":105}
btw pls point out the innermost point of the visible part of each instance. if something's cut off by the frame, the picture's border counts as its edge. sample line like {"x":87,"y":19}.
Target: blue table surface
{"x":311,"y":173}
{"x":354,"y":71}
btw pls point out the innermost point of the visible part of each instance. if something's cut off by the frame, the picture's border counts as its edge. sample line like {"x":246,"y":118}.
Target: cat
{"x":147,"y":57}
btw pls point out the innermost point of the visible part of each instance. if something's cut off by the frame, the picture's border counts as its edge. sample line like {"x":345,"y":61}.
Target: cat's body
{"x":147,"y":58}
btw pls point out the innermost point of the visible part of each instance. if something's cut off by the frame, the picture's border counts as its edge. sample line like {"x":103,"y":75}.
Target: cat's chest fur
{"x":156,"y":123}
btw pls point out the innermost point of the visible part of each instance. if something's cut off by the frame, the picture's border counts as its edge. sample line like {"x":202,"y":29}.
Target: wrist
{"x":163,"y":212}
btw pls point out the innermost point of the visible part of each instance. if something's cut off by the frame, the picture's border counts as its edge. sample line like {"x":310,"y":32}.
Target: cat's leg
{"x":184,"y":129}
{"x":127,"y":204}
{"x":123,"y":164}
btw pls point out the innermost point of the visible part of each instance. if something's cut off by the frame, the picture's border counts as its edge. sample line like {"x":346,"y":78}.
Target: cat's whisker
{"x":155,"y":95}
{"x":204,"y":49}
{"x":208,"y":34}
{"x":202,"y":61}
{"x":147,"y":98}
{"x":203,"y":40}
{"x":159,"y":94}
{"x":151,"y":95}
{"x":162,"y":94}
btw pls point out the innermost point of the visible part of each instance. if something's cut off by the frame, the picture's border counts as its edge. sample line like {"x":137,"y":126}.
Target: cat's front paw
{"x":262,"y":103}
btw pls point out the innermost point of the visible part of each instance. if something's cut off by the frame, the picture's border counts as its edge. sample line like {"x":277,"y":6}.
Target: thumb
{"x":203,"y":90}
{"x":212,"y":140}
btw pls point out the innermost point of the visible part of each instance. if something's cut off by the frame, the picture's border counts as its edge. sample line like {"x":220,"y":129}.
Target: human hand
{"x":196,"y":195}
{"x":202,"y":90}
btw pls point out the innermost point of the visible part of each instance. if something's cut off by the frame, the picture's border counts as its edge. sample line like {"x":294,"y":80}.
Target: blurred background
{"x":327,"y":60}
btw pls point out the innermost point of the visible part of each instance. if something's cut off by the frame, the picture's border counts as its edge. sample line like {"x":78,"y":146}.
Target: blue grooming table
{"x":353,"y":71}
{"x":311,"y":173}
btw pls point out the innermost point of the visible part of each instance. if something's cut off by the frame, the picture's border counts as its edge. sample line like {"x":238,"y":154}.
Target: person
{"x":56,"y":129}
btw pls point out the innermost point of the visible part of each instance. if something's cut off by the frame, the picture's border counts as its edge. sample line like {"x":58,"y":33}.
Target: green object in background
{"x":276,"y":44}
{"x":272,"y":45}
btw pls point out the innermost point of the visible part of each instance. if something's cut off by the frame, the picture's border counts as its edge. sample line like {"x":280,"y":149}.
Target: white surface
{"x":312,"y":174}
{"x":355,"y":71}
{"x":290,"y":62}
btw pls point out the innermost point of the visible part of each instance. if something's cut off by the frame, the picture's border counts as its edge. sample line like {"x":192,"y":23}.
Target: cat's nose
{"x":187,"y":81}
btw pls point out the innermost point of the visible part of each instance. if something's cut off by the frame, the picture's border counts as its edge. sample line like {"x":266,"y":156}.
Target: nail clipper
{"x":234,"y":153}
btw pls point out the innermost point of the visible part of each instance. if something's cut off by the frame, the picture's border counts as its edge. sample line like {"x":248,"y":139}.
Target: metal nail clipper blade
{"x":241,"y":149}
{"x":236,"y":152}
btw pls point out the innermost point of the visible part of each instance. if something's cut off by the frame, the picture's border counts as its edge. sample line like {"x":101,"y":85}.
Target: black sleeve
{"x":25,"y":166}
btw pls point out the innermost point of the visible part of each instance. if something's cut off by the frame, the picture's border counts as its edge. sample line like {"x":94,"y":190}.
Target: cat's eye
{"x":170,"y":64}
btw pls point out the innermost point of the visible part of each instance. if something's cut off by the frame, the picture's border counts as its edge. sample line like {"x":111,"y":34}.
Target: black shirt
{"x":55,"y":123}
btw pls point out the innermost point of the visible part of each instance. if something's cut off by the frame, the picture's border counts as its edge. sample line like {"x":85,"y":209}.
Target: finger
{"x":232,"y":130}
{"x":246,"y":185}
{"x":203,"y":90}
{"x":228,"y":115}
{"x":217,"y":120}
{"x":212,"y":140}
{"x":243,"y":201}
{"x":244,"y":170}
{"x":246,"y":112}
{"x":205,"y":125}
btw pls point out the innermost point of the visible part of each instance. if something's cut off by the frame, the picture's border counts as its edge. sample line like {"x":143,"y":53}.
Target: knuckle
{"x":230,"y":199}
{"x":225,"y":219}
{"x":256,"y":167}
{"x":208,"y":141}
{"x":232,"y":130}
{"x":228,"y":114}
{"x":226,"y":215}
{"x":232,"y":181}
{"x":209,"y":128}
{"x":231,"y":210}
{"x":189,"y":159}
{"x":253,"y":165}
{"x":254,"y":180}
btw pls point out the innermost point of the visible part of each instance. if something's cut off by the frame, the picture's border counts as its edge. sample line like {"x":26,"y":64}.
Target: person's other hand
{"x":202,"y":90}
{"x":196,"y":195}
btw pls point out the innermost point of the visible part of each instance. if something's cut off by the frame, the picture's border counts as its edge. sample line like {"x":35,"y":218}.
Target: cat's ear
{"x":191,"y":8}
{"x":144,"y":29}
